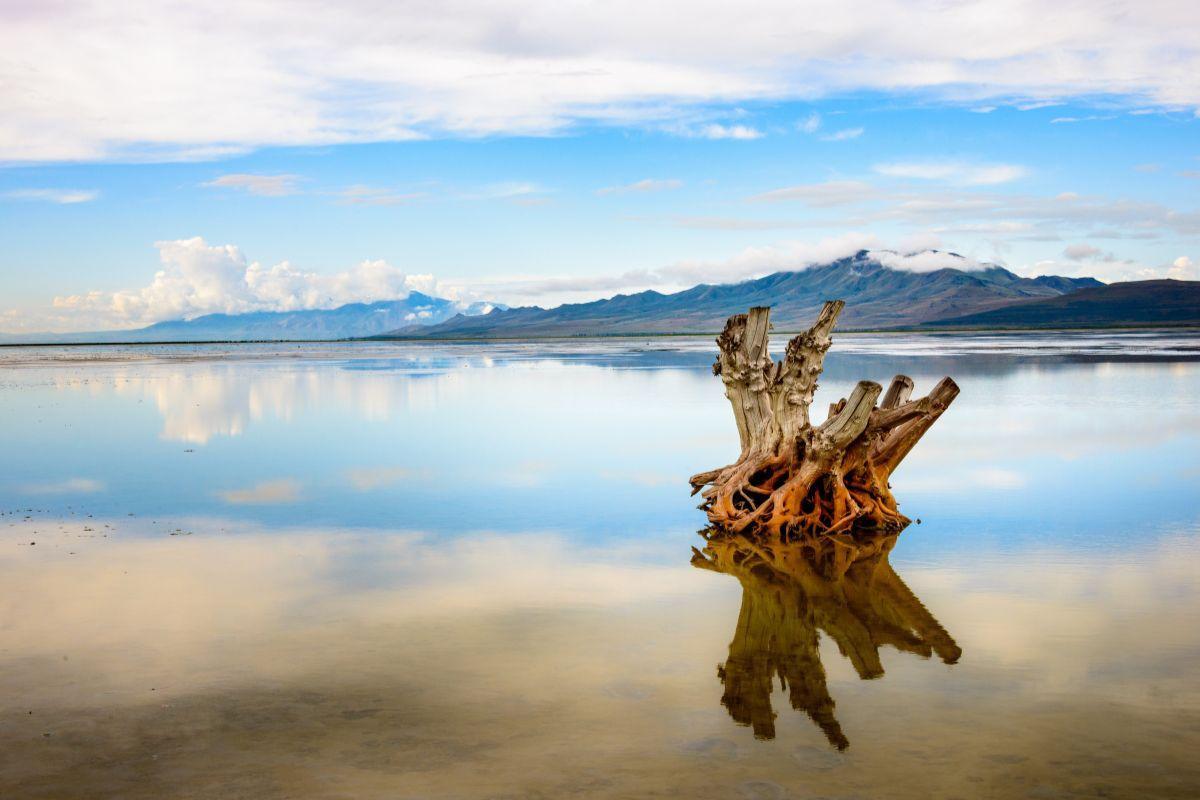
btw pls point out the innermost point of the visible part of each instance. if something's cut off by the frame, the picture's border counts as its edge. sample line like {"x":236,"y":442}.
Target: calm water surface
{"x":462,"y":571}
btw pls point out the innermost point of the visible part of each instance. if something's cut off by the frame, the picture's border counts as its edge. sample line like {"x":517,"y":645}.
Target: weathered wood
{"x":794,"y":480}
{"x":898,"y":392}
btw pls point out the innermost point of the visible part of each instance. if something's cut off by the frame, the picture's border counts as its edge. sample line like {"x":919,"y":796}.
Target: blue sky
{"x":494,"y":158}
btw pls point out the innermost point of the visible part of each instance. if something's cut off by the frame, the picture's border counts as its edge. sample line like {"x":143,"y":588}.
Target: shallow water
{"x":462,"y":571}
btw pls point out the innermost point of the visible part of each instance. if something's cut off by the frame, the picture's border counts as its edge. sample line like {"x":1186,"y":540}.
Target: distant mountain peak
{"x":882,"y":288}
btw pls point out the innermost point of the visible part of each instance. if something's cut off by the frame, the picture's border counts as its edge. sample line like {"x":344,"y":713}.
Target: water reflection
{"x":792,"y":591}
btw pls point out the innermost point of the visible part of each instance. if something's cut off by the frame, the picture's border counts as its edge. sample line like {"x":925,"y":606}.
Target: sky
{"x":163,"y":160}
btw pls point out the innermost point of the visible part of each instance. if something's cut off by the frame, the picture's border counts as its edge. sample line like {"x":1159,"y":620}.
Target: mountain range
{"x":354,"y":320}
{"x":1160,"y":302}
{"x":877,"y":296}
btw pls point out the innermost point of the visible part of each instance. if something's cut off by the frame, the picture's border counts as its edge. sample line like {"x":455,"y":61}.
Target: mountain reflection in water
{"x":792,"y":591}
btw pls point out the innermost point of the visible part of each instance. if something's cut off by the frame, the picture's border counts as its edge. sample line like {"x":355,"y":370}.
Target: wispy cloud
{"x":60,"y":196}
{"x":1086,"y":118}
{"x":286,"y":490}
{"x":1034,"y":105}
{"x":810,"y":124}
{"x":262,"y":185}
{"x":960,"y":172}
{"x":643,"y":186}
{"x":718,"y":131}
{"x":829,"y":193}
{"x":363,"y":195}
{"x":843,"y":135}
{"x":513,"y":191}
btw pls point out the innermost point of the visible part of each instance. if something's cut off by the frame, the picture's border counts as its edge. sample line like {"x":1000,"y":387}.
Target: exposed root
{"x":796,"y":482}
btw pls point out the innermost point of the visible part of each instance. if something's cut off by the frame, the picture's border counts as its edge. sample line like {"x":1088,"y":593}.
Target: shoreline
{"x":1183,"y":328}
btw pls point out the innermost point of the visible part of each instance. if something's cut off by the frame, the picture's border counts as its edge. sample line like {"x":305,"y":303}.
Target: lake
{"x":463,"y":571}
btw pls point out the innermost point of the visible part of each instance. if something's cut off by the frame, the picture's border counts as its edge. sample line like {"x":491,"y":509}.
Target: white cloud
{"x":717,"y":131}
{"x":286,"y":490}
{"x":60,"y":196}
{"x":811,"y":124}
{"x":925,"y":261}
{"x":363,"y":195}
{"x":167,"y":80}
{"x":1183,"y":269}
{"x":1087,"y":118}
{"x":642,"y":186}
{"x":829,"y":193}
{"x":843,"y":135}
{"x":508,"y":190}
{"x":262,"y":185}
{"x":957,"y":172}
{"x":197,"y":278}
{"x":1081,"y":252}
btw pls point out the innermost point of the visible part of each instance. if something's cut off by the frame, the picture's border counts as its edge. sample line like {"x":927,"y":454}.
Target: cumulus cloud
{"x":141,"y":79}
{"x":957,"y":172}
{"x":60,"y":196}
{"x":262,"y":185}
{"x":1183,"y":269}
{"x":197,"y":278}
{"x":642,"y":186}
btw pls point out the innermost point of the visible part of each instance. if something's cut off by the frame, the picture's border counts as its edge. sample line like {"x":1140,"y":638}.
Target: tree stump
{"x":795,"y":481}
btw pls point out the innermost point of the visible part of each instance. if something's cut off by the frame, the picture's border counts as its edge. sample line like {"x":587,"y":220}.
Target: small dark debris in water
{"x":189,"y":451}
{"x":918,"y":520}
{"x":31,"y":544}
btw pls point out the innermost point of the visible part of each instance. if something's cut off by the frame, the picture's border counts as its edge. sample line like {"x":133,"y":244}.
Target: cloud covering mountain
{"x":197,"y":278}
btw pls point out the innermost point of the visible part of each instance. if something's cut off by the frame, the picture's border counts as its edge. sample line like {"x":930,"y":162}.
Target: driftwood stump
{"x":795,"y":481}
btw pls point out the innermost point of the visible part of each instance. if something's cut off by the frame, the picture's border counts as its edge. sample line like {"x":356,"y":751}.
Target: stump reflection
{"x":791,"y":592}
